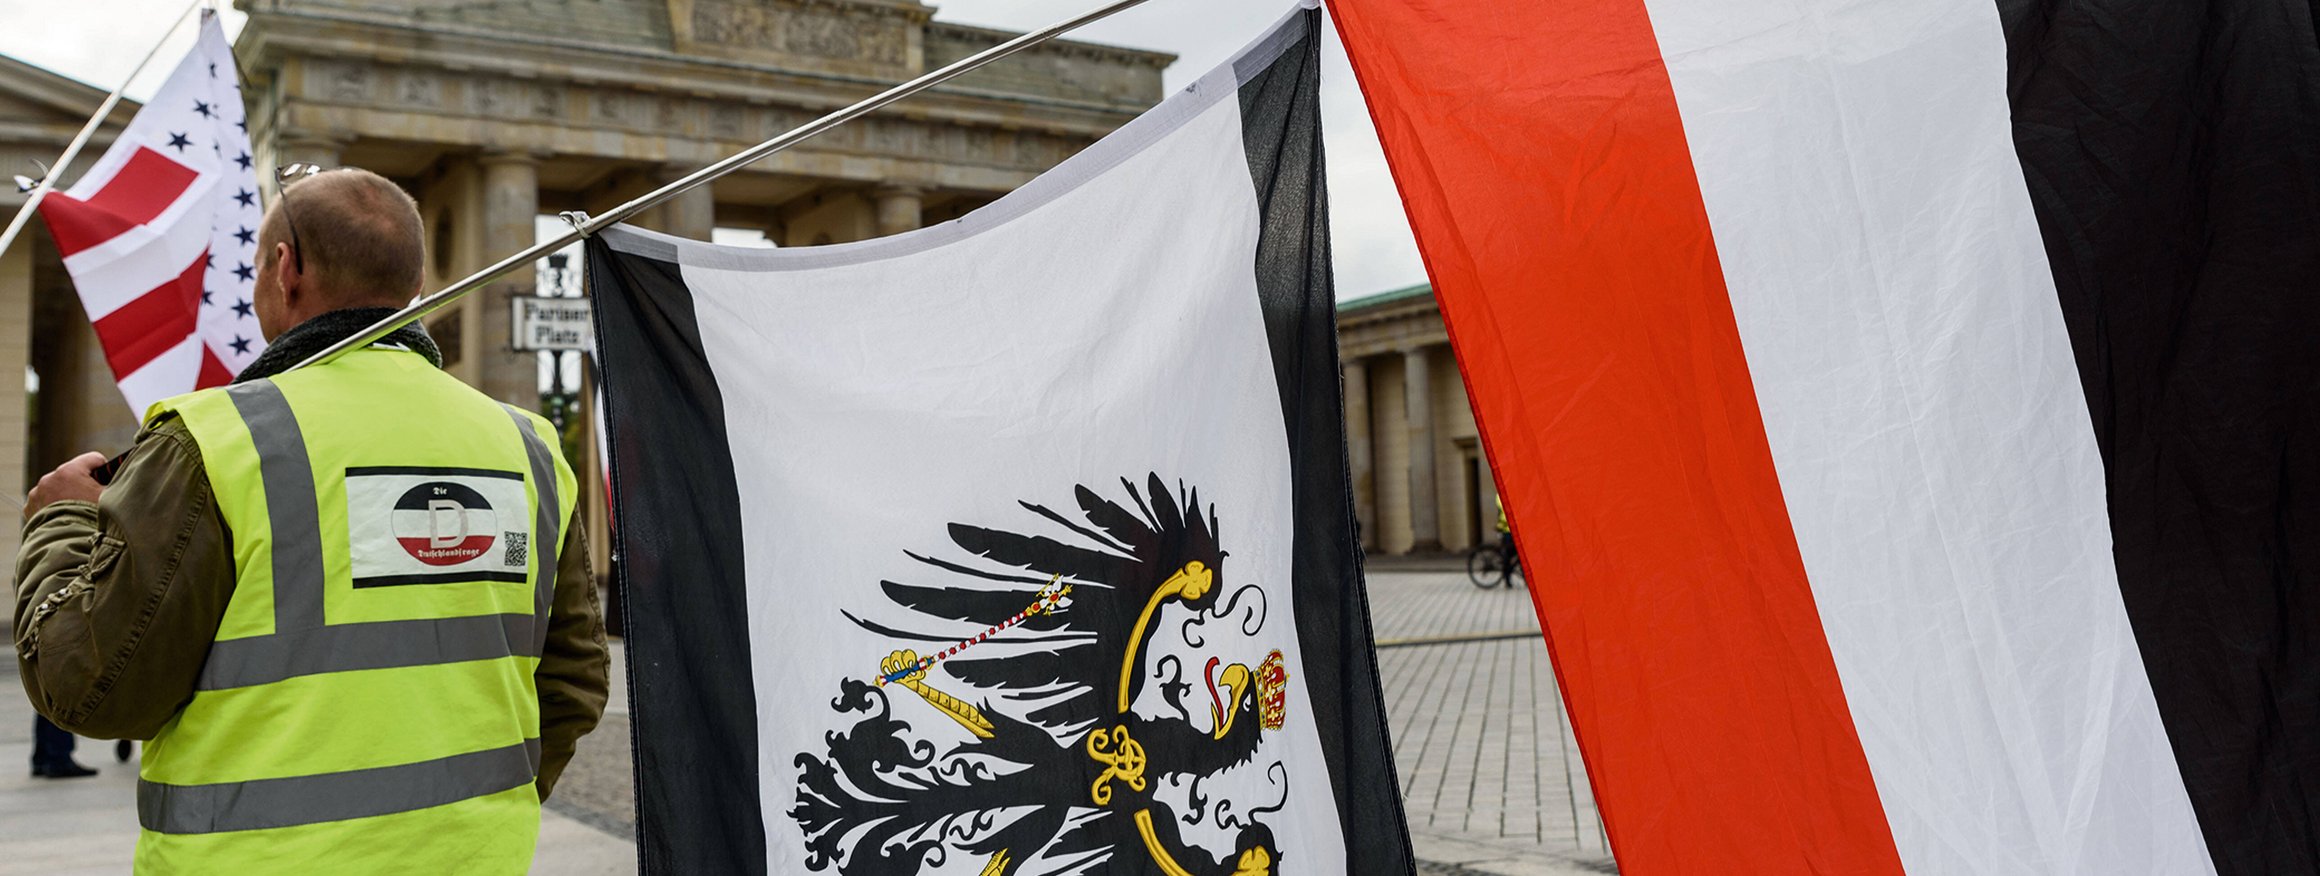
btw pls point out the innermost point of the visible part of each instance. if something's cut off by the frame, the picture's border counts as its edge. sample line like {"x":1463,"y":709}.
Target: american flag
{"x":160,"y":236}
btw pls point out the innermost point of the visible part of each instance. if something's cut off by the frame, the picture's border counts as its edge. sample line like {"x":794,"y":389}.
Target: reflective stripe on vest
{"x":302,"y":644}
{"x":266,"y":803}
{"x":543,"y":561}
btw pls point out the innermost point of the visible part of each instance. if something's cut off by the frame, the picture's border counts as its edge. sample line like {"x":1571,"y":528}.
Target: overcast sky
{"x":100,"y":42}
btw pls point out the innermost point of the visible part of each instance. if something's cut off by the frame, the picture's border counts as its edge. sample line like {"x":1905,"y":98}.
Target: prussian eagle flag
{"x":1909,"y":412}
{"x":160,"y":236}
{"x":1019,"y":544}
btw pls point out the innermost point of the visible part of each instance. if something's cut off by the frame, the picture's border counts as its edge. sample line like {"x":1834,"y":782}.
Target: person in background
{"x":1505,"y":532}
{"x":52,"y":750}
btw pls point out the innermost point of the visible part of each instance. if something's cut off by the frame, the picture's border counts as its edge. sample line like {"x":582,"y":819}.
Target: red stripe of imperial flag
{"x":1540,"y":154}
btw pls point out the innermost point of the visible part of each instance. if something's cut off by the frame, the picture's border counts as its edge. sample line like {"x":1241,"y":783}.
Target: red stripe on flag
{"x":153,"y":323}
{"x":1539,"y":151}
{"x":145,"y":186}
{"x":213,"y":370}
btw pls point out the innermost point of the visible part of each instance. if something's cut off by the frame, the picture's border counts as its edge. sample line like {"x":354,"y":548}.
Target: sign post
{"x":550,"y":324}
{"x":555,"y":326}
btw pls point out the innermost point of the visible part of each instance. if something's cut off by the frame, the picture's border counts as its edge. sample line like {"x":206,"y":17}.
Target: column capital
{"x":508,"y":156}
{"x":309,"y":148}
{"x":313,"y":140}
{"x":898,"y":189}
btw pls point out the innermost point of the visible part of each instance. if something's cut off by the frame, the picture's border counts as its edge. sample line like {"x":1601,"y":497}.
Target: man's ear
{"x":286,"y":276}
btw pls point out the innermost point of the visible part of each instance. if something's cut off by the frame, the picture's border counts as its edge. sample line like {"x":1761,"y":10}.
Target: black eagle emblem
{"x":1090,"y":700}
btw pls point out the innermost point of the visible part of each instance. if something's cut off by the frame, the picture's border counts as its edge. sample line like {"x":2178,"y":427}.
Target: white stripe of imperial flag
{"x":160,"y":236}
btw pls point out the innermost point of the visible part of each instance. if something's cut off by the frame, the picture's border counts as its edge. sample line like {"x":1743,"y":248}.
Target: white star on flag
{"x":160,"y":236}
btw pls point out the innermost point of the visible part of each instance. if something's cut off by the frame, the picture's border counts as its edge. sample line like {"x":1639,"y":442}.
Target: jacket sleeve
{"x":573,"y":673}
{"x":117,"y":602}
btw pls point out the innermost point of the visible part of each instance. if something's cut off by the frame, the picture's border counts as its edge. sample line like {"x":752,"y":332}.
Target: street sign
{"x":551,"y":323}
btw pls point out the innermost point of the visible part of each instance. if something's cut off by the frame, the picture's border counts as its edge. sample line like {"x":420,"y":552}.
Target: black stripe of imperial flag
{"x":693,"y":704}
{"x":1281,"y":132}
{"x":2172,"y":152}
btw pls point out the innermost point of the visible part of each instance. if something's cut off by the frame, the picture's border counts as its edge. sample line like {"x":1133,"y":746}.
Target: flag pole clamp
{"x":26,"y":184}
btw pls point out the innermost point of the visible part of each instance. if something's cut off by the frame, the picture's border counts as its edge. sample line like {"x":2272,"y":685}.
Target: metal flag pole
{"x":40,"y":190}
{"x":588,"y":225}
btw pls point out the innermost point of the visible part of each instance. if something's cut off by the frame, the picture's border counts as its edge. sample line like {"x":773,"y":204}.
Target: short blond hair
{"x":358,"y":233}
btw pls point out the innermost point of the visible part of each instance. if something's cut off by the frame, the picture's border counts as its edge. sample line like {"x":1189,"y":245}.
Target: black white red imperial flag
{"x":1909,"y":412}
{"x":1019,"y":544}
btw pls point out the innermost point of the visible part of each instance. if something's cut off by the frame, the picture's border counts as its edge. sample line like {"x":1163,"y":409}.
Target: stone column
{"x":1425,"y":505}
{"x":511,"y":202}
{"x":692,"y":214}
{"x":898,"y":208}
{"x":1361,"y":459}
{"x":15,"y":353}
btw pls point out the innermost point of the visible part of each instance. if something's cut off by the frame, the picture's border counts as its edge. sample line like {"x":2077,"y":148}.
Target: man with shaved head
{"x":357,"y":236}
{"x":346,"y":603}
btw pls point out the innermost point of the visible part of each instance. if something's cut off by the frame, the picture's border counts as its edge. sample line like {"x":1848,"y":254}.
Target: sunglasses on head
{"x":283,"y":177}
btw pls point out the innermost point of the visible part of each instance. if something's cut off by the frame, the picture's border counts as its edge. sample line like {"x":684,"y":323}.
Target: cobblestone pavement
{"x":1491,"y":780}
{"x":1490,"y":777}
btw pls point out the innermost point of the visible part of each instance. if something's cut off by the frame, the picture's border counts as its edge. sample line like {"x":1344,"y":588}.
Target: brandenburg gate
{"x":494,"y":114}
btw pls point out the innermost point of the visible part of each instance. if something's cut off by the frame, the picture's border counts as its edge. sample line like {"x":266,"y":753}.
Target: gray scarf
{"x":317,"y":334}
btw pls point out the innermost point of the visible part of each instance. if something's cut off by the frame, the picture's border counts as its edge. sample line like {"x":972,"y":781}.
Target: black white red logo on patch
{"x":441,"y":523}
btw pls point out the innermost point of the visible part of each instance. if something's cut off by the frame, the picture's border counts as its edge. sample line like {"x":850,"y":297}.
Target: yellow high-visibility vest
{"x":368,"y":704}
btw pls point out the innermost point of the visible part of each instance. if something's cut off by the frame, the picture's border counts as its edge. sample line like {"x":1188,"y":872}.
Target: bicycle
{"x":1493,"y":564}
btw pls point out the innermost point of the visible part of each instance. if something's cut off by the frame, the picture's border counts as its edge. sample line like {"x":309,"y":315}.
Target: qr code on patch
{"x":519,"y":548}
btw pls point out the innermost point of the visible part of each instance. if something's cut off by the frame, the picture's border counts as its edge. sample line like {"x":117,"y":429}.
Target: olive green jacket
{"x":117,"y":603}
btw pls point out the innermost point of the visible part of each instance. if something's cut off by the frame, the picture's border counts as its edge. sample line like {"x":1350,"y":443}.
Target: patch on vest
{"x":422,"y":525}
